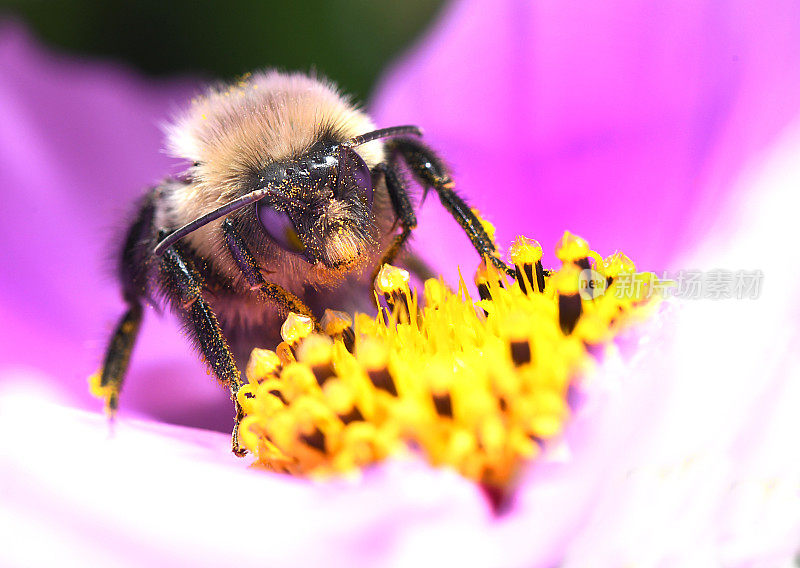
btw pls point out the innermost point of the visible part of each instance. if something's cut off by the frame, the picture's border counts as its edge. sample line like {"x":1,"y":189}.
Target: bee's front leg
{"x":287,"y":302}
{"x":430,"y":171}
{"x":183,"y":284}
{"x":401,"y":203}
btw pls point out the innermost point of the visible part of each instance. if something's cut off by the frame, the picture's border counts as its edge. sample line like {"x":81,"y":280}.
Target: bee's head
{"x":321,"y":205}
{"x":287,"y":159}
{"x":316,"y":205}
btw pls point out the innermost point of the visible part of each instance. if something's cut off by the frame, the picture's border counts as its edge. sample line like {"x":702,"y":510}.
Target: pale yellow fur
{"x":233,"y":130}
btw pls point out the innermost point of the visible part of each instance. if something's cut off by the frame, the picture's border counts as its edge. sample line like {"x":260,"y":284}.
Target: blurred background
{"x":349,"y":41}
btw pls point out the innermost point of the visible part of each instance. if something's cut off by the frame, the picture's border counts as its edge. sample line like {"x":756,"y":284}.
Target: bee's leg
{"x":267,"y":291}
{"x":431,"y":172}
{"x":132,"y":275}
{"x":184,"y":285}
{"x":118,"y":355}
{"x":403,"y":208}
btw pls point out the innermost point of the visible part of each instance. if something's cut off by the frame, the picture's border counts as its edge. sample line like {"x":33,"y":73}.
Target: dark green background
{"x":350,"y":41}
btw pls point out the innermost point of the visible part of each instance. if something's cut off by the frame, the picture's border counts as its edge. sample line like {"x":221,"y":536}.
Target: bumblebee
{"x":292,"y":200}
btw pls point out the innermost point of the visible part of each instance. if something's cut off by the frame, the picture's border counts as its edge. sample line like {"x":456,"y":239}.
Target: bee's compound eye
{"x":359,"y":173}
{"x":280,"y":228}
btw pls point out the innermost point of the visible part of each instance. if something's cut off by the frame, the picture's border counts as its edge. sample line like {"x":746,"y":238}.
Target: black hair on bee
{"x":292,"y":201}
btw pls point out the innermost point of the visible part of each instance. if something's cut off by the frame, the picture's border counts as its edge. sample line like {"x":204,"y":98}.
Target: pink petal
{"x":78,"y":143}
{"x":157,"y":495}
{"x":624,"y":122}
{"x":683,"y":456}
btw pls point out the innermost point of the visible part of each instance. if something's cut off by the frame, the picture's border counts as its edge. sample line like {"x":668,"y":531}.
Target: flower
{"x":684,"y":454}
{"x":479,"y":387}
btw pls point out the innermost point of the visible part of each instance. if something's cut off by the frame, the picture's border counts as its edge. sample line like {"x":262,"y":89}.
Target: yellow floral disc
{"x":475,"y":385}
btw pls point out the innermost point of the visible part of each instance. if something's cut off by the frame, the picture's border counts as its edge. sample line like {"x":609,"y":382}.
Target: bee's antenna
{"x":369,"y":137}
{"x":384,"y":133}
{"x":229,"y":207}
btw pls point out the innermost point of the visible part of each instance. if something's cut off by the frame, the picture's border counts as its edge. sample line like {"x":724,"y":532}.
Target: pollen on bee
{"x":342,"y":248}
{"x":487,"y":226}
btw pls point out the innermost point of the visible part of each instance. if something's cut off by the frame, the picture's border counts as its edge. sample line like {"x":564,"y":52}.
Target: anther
{"x":435,"y":293}
{"x":263,"y":364}
{"x":315,"y":351}
{"x":279,"y":395}
{"x":526,"y":256}
{"x":339,"y":325}
{"x":569,"y":310}
{"x":373,"y":357}
{"x":341,"y":400}
{"x":567,"y":284}
{"x":573,"y":249}
{"x":516,"y":329}
{"x":487,"y":276}
{"x":616,"y":264}
{"x":285,"y":353}
{"x":443,"y":404}
{"x":295,"y":328}
{"x":392,"y":283}
{"x":438,"y":377}
{"x":520,"y":352}
{"x":316,"y":439}
{"x":353,"y":416}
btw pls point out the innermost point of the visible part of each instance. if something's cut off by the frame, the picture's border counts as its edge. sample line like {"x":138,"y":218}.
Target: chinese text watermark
{"x":716,"y":284}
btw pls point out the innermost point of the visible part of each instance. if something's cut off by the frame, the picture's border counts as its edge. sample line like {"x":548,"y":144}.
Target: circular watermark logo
{"x":591,"y":284}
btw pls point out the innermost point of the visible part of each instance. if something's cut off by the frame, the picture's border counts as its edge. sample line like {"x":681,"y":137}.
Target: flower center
{"x":478,"y":386}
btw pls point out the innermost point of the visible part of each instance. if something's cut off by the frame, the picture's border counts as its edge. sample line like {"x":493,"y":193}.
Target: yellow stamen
{"x":525,"y":251}
{"x":263,"y":364}
{"x":334,"y":323}
{"x":296,"y":327}
{"x":571,"y":248}
{"x":475,"y":385}
{"x":391,"y":279}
